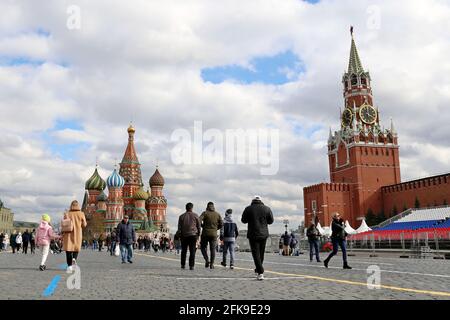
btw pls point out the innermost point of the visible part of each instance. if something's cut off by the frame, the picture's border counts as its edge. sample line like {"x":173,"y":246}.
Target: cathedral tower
{"x":157,"y":203}
{"x":130,"y":170}
{"x":115,"y":204}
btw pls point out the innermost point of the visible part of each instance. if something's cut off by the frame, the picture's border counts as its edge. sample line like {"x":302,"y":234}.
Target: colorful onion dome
{"x":156,"y":179}
{"x":141,"y":194}
{"x":115,"y":180}
{"x":102,"y":197}
{"x":95,"y":182}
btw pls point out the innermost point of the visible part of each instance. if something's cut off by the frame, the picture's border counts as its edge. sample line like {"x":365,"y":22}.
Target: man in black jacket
{"x":126,"y":237}
{"x":338,"y":236}
{"x":25,"y":241}
{"x":313,"y":235}
{"x":258,"y":216}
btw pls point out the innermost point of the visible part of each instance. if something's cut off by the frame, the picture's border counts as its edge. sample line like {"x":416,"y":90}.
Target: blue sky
{"x":65,"y":151}
{"x":278,"y":69}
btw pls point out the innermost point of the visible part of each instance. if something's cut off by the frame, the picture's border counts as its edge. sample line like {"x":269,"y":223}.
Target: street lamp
{"x":286,"y":222}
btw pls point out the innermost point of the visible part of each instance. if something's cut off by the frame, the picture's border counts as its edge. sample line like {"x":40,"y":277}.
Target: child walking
{"x":44,"y":235}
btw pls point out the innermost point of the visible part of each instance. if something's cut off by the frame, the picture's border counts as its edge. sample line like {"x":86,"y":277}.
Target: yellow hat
{"x":46,"y":217}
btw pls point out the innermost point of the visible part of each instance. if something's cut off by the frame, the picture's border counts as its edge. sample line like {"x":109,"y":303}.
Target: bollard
{"x":402,"y":241}
{"x":372,"y":242}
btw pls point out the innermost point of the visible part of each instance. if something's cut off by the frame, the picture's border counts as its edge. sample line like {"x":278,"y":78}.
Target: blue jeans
{"x":314,"y":244}
{"x":126,"y":251}
{"x":113,"y":247}
{"x":341,"y":243}
{"x":228,"y":246}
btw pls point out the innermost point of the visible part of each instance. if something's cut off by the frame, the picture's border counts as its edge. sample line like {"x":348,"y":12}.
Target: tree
{"x":381,"y":217}
{"x":371,"y":218}
{"x":394,"y":211}
{"x":417,"y":203}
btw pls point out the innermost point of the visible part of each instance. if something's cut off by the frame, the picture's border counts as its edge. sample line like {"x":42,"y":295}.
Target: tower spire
{"x":130,"y":153}
{"x":393,"y":128}
{"x":354,"y":64}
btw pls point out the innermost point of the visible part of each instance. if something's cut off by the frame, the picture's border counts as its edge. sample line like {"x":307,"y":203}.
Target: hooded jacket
{"x":19,"y":238}
{"x":258,"y":216}
{"x":211,"y":222}
{"x":44,"y":234}
{"x":229,"y":230}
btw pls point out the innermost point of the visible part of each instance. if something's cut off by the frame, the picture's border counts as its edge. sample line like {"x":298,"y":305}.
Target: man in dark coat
{"x":33,"y":241}
{"x":313,"y":235}
{"x":126,"y":237}
{"x":211,"y":222}
{"x":338,"y":236}
{"x":189,"y":227}
{"x":258,"y":216}
{"x":13,"y":243}
{"x":25,"y":241}
{"x":286,"y":241}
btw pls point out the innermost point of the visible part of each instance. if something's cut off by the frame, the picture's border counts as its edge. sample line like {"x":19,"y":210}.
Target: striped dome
{"x":102,"y":197}
{"x":141,"y":194}
{"x":156,"y":179}
{"x":95,"y":182}
{"x":115,"y":180}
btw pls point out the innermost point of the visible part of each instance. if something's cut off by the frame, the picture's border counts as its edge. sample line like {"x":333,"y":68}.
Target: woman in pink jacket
{"x":44,"y":235}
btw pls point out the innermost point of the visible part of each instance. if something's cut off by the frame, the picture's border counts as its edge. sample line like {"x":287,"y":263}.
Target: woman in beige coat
{"x":72,"y":240}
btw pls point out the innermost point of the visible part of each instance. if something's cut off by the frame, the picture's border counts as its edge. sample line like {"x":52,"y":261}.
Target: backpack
{"x":293,"y":242}
{"x":66,"y":225}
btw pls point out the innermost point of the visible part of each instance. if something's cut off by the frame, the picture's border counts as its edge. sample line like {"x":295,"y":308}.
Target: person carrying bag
{"x":72,"y":239}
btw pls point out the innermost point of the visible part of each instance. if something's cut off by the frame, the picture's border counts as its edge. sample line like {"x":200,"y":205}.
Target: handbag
{"x":117,"y":251}
{"x":66,"y":225}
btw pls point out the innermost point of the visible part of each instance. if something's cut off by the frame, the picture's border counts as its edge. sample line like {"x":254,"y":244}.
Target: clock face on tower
{"x":347,"y":117}
{"x":368,"y":114}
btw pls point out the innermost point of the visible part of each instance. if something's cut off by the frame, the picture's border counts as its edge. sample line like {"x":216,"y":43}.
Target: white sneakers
{"x":260,"y":277}
{"x":69,"y":269}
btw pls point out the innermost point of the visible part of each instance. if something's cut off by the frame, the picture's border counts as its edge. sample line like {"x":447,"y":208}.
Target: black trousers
{"x":191,"y":243}
{"x":258,"y":247}
{"x":25,"y":247}
{"x":71,"y":255}
{"x":212,"y":248}
{"x":32,"y":246}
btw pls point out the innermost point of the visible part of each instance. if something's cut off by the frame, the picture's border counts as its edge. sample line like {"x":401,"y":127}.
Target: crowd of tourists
{"x":208,"y":232}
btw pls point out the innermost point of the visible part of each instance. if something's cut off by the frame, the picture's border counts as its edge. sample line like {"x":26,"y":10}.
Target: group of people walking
{"x":191,"y":229}
{"x":18,"y":241}
{"x":288,"y":244}
{"x":191,"y":226}
{"x":338,"y":239}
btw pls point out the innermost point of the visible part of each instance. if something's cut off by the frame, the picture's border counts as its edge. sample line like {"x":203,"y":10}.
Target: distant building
{"x":22,"y":226}
{"x":6,"y":219}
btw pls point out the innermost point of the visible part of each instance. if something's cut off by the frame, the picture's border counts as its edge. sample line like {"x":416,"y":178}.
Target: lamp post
{"x":325,"y":215}
{"x":286,"y":222}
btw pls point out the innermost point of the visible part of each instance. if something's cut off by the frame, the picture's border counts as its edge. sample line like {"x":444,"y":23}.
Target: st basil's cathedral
{"x":126,"y":196}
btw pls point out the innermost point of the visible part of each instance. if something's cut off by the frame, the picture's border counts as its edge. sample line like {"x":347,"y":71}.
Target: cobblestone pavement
{"x":159,"y":276}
